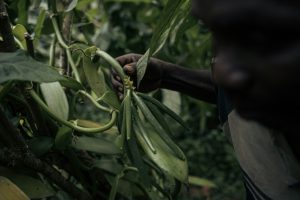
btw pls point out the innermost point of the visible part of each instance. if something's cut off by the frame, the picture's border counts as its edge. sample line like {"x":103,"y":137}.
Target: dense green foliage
{"x":78,"y":126}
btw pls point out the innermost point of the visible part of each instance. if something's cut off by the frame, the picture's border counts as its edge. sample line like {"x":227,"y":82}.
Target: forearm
{"x":195,"y":83}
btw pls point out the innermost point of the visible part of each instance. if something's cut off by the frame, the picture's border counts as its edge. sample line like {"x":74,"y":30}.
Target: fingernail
{"x":129,"y":69}
{"x":118,"y":78}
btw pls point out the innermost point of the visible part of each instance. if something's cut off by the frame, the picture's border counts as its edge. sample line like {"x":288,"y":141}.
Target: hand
{"x":152,"y":79}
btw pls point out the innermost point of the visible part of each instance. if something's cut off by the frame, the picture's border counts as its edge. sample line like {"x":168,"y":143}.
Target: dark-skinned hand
{"x":151,"y":81}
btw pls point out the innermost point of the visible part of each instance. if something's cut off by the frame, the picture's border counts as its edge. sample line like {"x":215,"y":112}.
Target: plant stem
{"x":8,"y":43}
{"x":70,"y":124}
{"x":66,"y":47}
{"x":94,"y":101}
{"x":30,"y":161}
{"x":66,"y":34}
{"x":52,"y":52}
{"x":29,"y":45}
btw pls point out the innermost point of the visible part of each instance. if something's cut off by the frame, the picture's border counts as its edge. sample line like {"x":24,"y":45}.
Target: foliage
{"x":72,"y":138}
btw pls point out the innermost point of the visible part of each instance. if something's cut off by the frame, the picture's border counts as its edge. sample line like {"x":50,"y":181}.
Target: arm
{"x":195,"y":83}
{"x":161,"y":74}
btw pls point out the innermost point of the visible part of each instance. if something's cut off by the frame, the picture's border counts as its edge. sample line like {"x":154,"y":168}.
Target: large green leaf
{"x":32,"y":187}
{"x":56,"y":99}
{"x":172,"y":17}
{"x":96,"y":145}
{"x":19,"y":66}
{"x":163,"y":156}
{"x":22,"y":12}
{"x":8,"y":190}
{"x":71,"y":5}
{"x":94,"y":76}
{"x":109,"y":165}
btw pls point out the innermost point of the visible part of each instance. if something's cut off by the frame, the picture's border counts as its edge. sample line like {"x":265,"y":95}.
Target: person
{"x":255,"y":82}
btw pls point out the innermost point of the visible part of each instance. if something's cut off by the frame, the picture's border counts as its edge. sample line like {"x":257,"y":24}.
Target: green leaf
{"x":159,"y":116}
{"x":94,"y":76}
{"x":157,"y":127}
{"x":170,"y":19}
{"x":40,"y":145}
{"x":140,"y":129}
{"x":142,"y":66}
{"x":19,"y":32}
{"x":70,"y":82}
{"x":22,"y":12}
{"x":71,"y":5}
{"x":111,"y":99}
{"x":56,"y":99}
{"x":164,"y":157}
{"x":63,"y":138}
{"x":108,"y":165}
{"x":137,"y":160}
{"x":164,"y":109}
{"x":19,"y":66}
{"x":96,"y":145}
{"x":193,"y":180}
{"x":171,"y":15}
{"x":39,"y":25}
{"x":32,"y":187}
{"x":8,"y":190}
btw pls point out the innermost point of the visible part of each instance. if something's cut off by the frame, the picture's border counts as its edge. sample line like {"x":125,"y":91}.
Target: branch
{"x":22,"y":155}
{"x":13,"y":132}
{"x":29,"y":160}
{"x":36,"y":114}
{"x":66,"y":30}
{"x":8,"y":43}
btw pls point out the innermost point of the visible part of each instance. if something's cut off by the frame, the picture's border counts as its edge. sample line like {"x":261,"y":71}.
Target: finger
{"x":115,"y":75}
{"x":128,"y":58}
{"x":116,"y":84}
{"x":121,"y":95}
{"x":130,"y":69}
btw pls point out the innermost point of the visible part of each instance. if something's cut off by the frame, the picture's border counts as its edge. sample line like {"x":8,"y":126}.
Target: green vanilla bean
{"x":40,"y":102}
{"x":115,"y":65}
{"x":52,"y":52}
{"x":127,"y":105}
{"x":145,"y":136}
{"x":94,"y":101}
{"x":156,"y":125}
